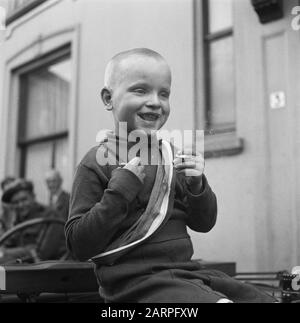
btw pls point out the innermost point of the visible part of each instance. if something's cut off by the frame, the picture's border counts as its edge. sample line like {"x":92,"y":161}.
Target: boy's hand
{"x":134,"y":165}
{"x":193,"y":167}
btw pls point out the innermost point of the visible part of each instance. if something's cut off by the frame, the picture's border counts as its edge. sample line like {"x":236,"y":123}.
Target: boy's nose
{"x":153,"y":101}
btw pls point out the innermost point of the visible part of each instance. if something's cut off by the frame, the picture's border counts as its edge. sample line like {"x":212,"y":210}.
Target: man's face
{"x":140,"y":95}
{"x":22,"y":202}
{"x":54,"y":184}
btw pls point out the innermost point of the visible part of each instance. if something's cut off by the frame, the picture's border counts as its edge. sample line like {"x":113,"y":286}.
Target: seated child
{"x":131,"y":218}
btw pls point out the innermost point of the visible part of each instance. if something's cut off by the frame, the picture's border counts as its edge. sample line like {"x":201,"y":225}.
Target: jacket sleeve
{"x":98,"y":212}
{"x":202,"y":209}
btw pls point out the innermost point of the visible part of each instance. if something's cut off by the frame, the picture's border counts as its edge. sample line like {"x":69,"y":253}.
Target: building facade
{"x":236,"y":75}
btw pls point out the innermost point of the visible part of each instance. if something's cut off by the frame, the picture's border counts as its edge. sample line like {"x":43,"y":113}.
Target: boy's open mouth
{"x":149,"y":116}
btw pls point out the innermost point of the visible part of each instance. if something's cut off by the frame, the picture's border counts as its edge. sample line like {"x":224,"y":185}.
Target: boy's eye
{"x":165,"y":94}
{"x":139,"y":91}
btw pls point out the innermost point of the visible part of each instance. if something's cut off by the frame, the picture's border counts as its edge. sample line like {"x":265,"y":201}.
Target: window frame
{"x":53,"y":57}
{"x":208,"y":39}
{"x":219,"y":141}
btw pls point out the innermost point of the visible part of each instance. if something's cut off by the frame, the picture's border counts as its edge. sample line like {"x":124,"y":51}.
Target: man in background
{"x":36,"y":242}
{"x":7,"y":214}
{"x":59,"y":199}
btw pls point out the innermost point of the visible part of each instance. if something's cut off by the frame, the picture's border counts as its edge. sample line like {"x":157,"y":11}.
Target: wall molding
{"x":40,"y":39}
{"x":15,"y":24}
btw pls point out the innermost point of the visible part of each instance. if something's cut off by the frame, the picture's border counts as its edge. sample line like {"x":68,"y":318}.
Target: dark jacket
{"x":105,"y":201}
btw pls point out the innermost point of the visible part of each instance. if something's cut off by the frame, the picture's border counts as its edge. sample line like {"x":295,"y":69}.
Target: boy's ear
{"x":106,"y":98}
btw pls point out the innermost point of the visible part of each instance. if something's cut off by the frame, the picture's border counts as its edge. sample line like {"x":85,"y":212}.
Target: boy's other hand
{"x":192,"y":165}
{"x":134,"y":165}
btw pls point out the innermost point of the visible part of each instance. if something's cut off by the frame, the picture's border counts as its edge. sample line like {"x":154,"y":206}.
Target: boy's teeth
{"x":149,"y":117}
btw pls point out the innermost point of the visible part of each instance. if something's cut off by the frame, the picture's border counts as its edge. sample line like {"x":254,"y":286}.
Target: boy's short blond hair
{"x":112,"y":66}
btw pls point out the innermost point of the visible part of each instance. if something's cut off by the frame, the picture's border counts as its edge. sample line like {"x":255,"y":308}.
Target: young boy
{"x":132,"y":221}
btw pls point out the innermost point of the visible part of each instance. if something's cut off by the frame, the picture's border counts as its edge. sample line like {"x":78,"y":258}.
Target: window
{"x":43,"y":120}
{"x":219,"y":66}
{"x":18,"y":8}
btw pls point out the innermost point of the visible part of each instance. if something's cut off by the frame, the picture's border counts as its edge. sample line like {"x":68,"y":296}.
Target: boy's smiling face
{"x":140,"y":93}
